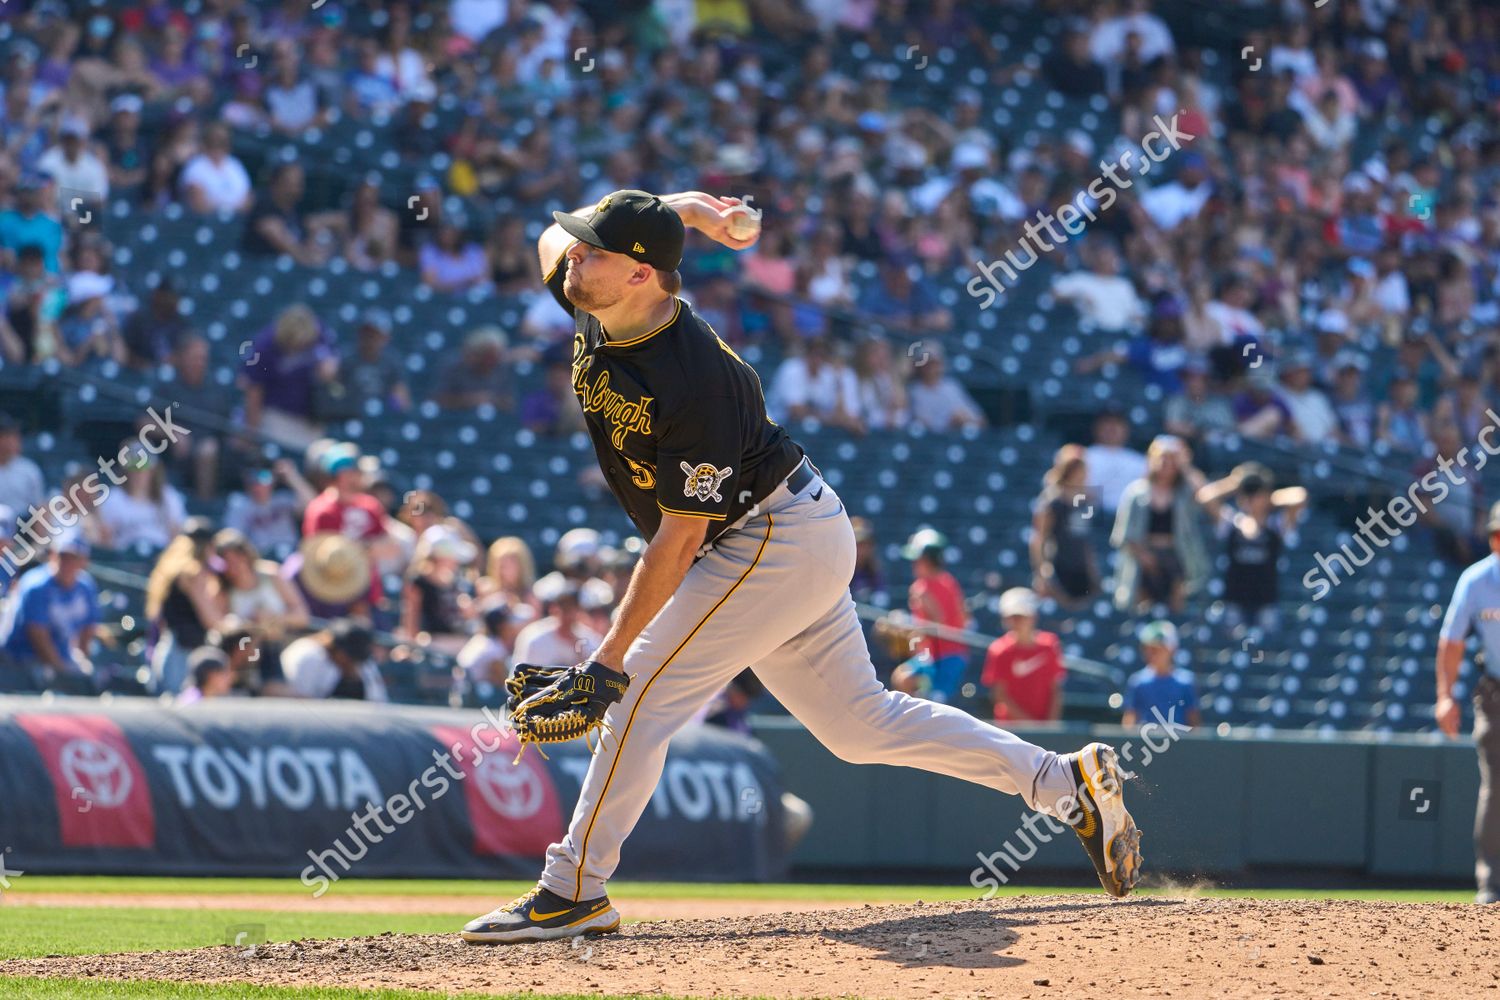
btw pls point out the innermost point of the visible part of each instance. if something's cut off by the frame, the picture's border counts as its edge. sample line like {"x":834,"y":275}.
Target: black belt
{"x":802,"y":477}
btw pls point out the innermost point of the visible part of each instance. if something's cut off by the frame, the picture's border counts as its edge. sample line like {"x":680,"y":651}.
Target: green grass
{"x":499,"y":891}
{"x":34,"y":931}
{"x":91,"y":989}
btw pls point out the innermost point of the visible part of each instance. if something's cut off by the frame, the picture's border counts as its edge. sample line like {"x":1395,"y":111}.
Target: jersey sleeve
{"x":994,"y":666}
{"x":698,"y":454}
{"x":320,"y":516}
{"x":554,"y":282}
{"x":33,"y":608}
{"x":1459,"y":619}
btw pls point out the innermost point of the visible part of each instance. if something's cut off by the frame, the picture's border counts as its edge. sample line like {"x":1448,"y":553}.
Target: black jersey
{"x":677,"y":418}
{"x":1253,"y":578}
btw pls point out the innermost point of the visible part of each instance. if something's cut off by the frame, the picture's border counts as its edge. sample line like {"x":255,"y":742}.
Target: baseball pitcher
{"x":748,"y":563}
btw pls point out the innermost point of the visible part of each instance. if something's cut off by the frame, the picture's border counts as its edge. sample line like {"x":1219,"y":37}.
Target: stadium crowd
{"x":1275,"y":280}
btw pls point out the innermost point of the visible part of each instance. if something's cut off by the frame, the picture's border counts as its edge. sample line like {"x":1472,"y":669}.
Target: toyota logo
{"x":97,"y":769}
{"x":514,"y":792}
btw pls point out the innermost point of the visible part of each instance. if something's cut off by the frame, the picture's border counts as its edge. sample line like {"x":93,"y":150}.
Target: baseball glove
{"x":557,"y":704}
{"x":896,"y":634}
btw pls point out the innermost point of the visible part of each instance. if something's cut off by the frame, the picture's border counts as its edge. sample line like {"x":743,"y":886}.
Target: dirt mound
{"x":1027,"y":947}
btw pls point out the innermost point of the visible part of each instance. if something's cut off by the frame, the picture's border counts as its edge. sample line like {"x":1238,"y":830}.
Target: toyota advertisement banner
{"x":322,"y":791}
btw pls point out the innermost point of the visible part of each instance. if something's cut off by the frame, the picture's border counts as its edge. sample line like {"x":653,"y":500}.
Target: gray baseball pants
{"x":1487,"y":813}
{"x":773,"y":593}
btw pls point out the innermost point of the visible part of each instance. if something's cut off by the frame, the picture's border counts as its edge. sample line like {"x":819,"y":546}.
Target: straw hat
{"x":335,"y":569}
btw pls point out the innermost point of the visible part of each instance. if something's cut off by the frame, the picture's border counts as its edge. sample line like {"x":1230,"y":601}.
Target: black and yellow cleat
{"x":1108,"y":833}
{"x":542,"y":915}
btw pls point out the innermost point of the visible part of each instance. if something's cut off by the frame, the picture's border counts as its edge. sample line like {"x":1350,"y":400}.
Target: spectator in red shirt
{"x":1023,"y":670}
{"x":934,"y":598}
{"x":344,"y":508}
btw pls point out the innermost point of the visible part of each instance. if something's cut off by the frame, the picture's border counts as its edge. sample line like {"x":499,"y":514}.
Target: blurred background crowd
{"x":1310,"y":285}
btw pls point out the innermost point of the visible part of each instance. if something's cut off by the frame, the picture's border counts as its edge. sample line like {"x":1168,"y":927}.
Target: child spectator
{"x":212,"y":678}
{"x":1160,"y":692}
{"x":935,"y":598}
{"x":1023,"y":670}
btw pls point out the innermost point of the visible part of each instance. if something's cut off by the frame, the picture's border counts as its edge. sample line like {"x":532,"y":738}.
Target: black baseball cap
{"x":635,"y":223}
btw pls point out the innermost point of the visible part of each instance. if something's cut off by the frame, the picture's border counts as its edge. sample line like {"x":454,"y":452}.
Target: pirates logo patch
{"x":704,"y":481}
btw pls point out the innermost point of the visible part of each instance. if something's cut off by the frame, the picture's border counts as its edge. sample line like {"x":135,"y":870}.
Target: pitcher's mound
{"x":1047,"y":946}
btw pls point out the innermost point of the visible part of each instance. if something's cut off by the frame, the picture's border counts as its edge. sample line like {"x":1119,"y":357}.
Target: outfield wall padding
{"x":250,"y":787}
{"x":1400,"y":808}
{"x":237,"y":787}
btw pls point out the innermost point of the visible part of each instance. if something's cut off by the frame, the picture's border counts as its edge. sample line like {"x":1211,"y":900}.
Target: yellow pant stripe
{"x":583,"y":848}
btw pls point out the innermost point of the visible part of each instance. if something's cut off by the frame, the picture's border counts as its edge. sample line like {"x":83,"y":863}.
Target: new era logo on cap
{"x":628,"y":222}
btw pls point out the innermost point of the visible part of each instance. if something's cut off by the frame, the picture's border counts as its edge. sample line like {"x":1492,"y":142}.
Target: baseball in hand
{"x":743,"y":223}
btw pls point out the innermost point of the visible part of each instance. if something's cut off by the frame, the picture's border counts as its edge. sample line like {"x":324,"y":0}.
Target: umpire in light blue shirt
{"x":1476,"y":609}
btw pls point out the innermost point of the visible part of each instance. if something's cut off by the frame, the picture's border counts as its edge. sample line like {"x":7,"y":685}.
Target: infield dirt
{"x":1046,"y":946}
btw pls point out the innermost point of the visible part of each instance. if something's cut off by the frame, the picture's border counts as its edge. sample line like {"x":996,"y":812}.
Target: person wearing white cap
{"x":561,"y":637}
{"x":577,"y":552}
{"x":1023,"y":669}
{"x":48,"y":622}
{"x":89,"y":327}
